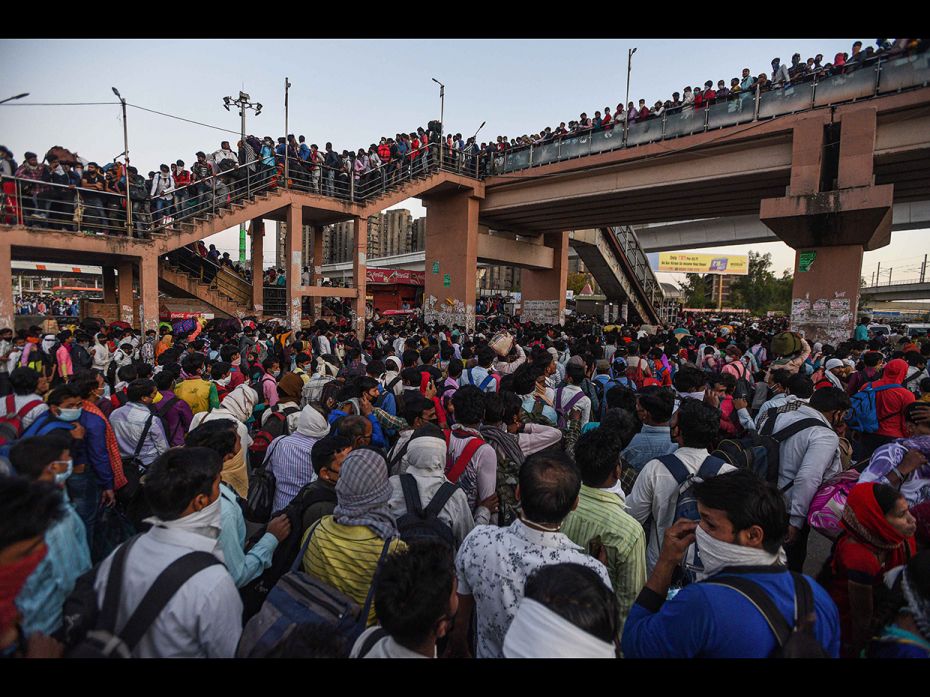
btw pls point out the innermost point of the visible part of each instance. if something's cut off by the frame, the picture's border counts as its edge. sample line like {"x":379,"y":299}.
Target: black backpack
{"x":262,"y":485}
{"x":760,"y":451}
{"x":276,"y":425}
{"x":254,"y":593}
{"x":101,"y":639}
{"x":130,"y":496}
{"x":423,"y":524}
{"x":793,"y":642}
{"x":161,"y":411}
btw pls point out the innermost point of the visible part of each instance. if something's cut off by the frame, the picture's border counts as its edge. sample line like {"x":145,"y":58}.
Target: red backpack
{"x":11,"y":424}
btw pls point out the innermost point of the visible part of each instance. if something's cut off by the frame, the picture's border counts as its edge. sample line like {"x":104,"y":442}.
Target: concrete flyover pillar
{"x":451,"y":250}
{"x":292,"y":265}
{"x":257,"y":233}
{"x":543,"y":291}
{"x":148,"y":292}
{"x":359,"y":271}
{"x":7,"y":306}
{"x":124,"y":268}
{"x":830,"y":229}
{"x":316,"y":271}
{"x":109,"y":285}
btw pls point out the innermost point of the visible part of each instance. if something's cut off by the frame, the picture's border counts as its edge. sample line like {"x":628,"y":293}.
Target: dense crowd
{"x":47,"y":305}
{"x":215,"y":180}
{"x":238,"y":489}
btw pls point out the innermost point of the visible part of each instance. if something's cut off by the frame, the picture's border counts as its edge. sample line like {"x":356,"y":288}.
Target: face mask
{"x":72,"y":414}
{"x":236,"y":362}
{"x":12,"y":578}
{"x":708,"y":555}
{"x":78,"y":171}
{"x":106,"y":390}
{"x":204,"y":522}
{"x":693,"y":395}
{"x":224,"y":381}
{"x":62,"y":477}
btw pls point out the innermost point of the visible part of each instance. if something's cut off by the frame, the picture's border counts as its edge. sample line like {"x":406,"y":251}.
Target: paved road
{"x":818,"y":549}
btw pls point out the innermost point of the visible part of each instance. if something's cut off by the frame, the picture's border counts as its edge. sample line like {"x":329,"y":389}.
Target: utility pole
{"x":243,"y":103}
{"x":923,"y":269}
{"x":629,"y":68}
{"x":126,"y":161}
{"x":442,"y":123}
{"x":287,"y":85}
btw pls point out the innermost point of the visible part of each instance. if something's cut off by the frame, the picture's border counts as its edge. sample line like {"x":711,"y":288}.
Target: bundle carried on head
{"x":786,"y":343}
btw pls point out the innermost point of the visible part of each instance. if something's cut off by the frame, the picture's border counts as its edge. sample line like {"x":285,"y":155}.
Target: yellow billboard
{"x":679,"y":262}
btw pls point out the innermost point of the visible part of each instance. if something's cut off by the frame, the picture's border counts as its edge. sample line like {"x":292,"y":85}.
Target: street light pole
{"x":243,"y":103}
{"x":122,"y":102}
{"x":629,"y":68}
{"x":286,"y":142}
{"x":442,"y":123}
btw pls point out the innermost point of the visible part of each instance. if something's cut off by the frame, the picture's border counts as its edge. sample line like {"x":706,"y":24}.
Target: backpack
{"x":455,"y":469}
{"x":102,"y":639}
{"x":80,"y":357}
{"x":262,"y":482}
{"x":489,"y":378}
{"x":277,"y":425}
{"x":796,"y":642}
{"x":743,"y":389}
{"x":564,"y":411}
{"x":686,"y":503}
{"x":636,"y":374}
{"x":760,"y":451}
{"x":601,"y":388}
{"x":826,"y":509}
{"x":11,"y":424}
{"x":301,"y":599}
{"x":420,"y":523}
{"x":254,"y":593}
{"x":134,"y":469}
{"x":863,"y":411}
{"x":162,"y":413}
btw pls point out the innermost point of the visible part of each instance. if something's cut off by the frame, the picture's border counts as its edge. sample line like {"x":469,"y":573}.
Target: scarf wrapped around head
{"x":241,"y":402}
{"x":236,"y":474}
{"x":427,"y":452}
{"x":290,"y":387}
{"x":538,"y":632}
{"x":864,"y":520}
{"x":363,"y":492}
{"x":312,"y":423}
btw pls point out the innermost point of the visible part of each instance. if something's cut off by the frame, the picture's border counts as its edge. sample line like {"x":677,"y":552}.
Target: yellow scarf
{"x":235,"y":473}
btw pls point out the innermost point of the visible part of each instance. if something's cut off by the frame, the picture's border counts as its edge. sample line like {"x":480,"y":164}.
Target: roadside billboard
{"x":686,"y":262}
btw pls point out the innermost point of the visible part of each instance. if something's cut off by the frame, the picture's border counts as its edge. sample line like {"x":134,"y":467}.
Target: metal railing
{"x":216,"y":276}
{"x":881,"y":75}
{"x":904,"y":282}
{"x":275,"y":300}
{"x":642,"y":270}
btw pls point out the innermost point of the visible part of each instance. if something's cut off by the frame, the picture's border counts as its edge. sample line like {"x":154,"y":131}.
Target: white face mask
{"x":224,"y":381}
{"x":708,"y":555}
{"x":204,"y":522}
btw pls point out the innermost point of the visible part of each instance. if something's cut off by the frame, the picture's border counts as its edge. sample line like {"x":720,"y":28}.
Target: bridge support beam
{"x":109,"y":285}
{"x":257,"y":233}
{"x":831,"y":229}
{"x":359,"y":278}
{"x":543,"y":292}
{"x":148,"y":292}
{"x":124,"y":269}
{"x":451,"y":259}
{"x":7,"y":305}
{"x":316,"y":271}
{"x":293,"y":266}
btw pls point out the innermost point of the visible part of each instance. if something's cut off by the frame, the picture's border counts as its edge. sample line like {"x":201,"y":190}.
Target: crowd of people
{"x":48,"y":305}
{"x":215,"y":180}
{"x":235,"y":488}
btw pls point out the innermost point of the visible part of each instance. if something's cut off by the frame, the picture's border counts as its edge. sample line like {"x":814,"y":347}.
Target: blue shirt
{"x":476,"y":376}
{"x":304,"y":152}
{"x":41,"y":598}
{"x":91,"y":450}
{"x":377,"y":434}
{"x":711,"y":621}
{"x":243,"y":566}
{"x":862,"y":332}
{"x":648,"y":444}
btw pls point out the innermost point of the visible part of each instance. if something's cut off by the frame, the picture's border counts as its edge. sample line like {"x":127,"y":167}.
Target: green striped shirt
{"x":345,"y":557}
{"x":600,"y":513}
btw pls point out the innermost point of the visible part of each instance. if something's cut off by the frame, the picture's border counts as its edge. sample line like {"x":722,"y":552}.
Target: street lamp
{"x":629,"y":67}
{"x":126,"y":161}
{"x":243,"y":103}
{"x":442,"y":109}
{"x":18,"y":96}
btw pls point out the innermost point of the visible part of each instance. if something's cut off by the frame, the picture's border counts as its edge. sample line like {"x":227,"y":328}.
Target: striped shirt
{"x":600,"y":514}
{"x":288,"y":458}
{"x":345,"y":557}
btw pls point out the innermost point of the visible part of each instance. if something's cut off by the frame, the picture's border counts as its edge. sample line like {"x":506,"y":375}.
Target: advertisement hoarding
{"x":681,"y":262}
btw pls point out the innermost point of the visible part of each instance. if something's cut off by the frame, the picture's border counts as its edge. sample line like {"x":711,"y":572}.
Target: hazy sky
{"x":352,"y":92}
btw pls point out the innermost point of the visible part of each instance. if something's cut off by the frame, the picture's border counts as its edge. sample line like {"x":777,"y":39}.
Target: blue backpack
{"x":484,"y":383}
{"x":863,"y":412}
{"x":602,"y":387}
